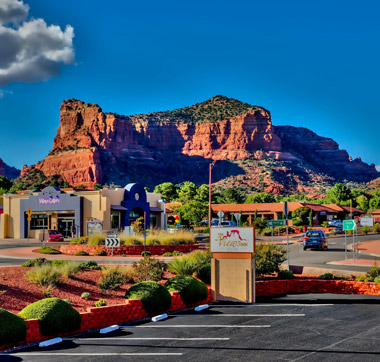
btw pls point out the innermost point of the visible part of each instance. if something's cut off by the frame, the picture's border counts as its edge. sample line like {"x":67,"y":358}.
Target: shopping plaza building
{"x":77,"y":212}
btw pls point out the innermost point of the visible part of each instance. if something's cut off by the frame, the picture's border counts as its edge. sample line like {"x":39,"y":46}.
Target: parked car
{"x":55,"y":235}
{"x":336,"y":223}
{"x":315,"y":239}
{"x":228,"y":223}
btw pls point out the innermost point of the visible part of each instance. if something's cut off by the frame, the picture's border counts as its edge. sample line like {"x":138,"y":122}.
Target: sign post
{"x":220,"y":215}
{"x":237,"y":217}
{"x":112,"y":241}
{"x":29,"y":213}
{"x":286,"y":211}
{"x":349,"y":225}
{"x":273,"y":224}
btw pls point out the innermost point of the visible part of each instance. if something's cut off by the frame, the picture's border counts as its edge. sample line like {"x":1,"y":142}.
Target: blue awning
{"x":156,"y":209}
{"x":118,"y":208}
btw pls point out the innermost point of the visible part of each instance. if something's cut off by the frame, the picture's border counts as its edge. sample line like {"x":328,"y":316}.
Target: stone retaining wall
{"x":72,"y":249}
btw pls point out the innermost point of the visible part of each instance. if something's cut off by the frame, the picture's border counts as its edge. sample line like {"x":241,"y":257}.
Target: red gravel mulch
{"x":16,"y":292}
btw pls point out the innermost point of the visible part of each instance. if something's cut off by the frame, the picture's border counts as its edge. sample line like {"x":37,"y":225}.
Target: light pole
{"x":164,"y":202}
{"x":211,"y":165}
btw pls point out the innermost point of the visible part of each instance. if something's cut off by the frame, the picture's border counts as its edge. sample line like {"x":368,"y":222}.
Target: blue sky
{"x":311,"y":64}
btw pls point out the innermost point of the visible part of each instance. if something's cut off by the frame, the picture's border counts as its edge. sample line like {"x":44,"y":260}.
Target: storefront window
{"x":39,"y":221}
{"x":115,"y":220}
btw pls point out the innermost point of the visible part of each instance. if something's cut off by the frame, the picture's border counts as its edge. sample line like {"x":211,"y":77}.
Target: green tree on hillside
{"x":167,"y":190}
{"x":302,"y":213}
{"x":339,"y":194}
{"x":230,"y":196}
{"x":187,"y":192}
{"x":5,"y":184}
{"x":203,"y":193}
{"x":362,"y":202}
{"x":193,"y":212}
{"x":260,"y":197}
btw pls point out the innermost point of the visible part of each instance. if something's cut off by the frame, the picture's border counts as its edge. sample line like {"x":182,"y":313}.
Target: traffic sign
{"x":366,"y":221}
{"x":220,"y":214}
{"x":237,"y":217}
{"x":112,"y":242}
{"x":29,"y":213}
{"x":349,"y":225}
{"x":274,"y":223}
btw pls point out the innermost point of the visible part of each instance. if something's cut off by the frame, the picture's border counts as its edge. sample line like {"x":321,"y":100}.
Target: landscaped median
{"x":100,"y":317}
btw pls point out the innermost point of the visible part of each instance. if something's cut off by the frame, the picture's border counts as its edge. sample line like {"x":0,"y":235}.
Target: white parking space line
{"x":199,"y":326}
{"x":237,"y":315}
{"x":21,"y":354}
{"x":146,"y":339}
{"x":271,"y":305}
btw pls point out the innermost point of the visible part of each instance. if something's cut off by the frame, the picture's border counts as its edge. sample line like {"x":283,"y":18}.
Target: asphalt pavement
{"x":298,"y":328}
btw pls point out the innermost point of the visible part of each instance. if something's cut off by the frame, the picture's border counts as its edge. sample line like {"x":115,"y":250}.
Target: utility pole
{"x":211,"y":165}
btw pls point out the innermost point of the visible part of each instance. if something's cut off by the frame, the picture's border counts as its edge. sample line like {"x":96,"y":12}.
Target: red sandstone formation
{"x":96,"y":147}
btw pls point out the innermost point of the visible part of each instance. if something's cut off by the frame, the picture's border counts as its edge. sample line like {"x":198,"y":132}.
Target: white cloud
{"x":378,"y":168}
{"x":31,"y":51}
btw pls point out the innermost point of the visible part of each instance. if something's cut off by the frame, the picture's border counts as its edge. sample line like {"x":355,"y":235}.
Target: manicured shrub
{"x":85,"y":295}
{"x":177,"y":253}
{"x":100,"y":252}
{"x":54,"y":315}
{"x":285,"y":274}
{"x":12,"y":328}
{"x":93,"y":265}
{"x":100,"y":303}
{"x":146,"y":253}
{"x":326,"y":276}
{"x":154,"y":297}
{"x":168,"y":253}
{"x":204,"y":273}
{"x":47,"y":250}
{"x":148,"y":269}
{"x":268,"y":258}
{"x":190,"y":289}
{"x":81,"y":253}
{"x":35,"y":262}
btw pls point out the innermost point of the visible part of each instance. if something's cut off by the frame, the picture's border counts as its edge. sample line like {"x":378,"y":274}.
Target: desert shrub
{"x":54,"y":315}
{"x":148,"y":269}
{"x":46,"y":276}
{"x":360,"y":278}
{"x":154,"y":297}
{"x":12,"y":328}
{"x":377,"y":280}
{"x":181,"y":237}
{"x":146,"y":253}
{"x":85,"y":295}
{"x":268,"y":258}
{"x":74,"y":241}
{"x":285,"y":274}
{"x":96,"y":239}
{"x":204,"y":273}
{"x":373,"y":273}
{"x":58,"y":263}
{"x":376,"y":228}
{"x":100,"y":303}
{"x":81,"y":253}
{"x":123,"y":255}
{"x":100,"y":252}
{"x":326,"y":276}
{"x":168,"y":253}
{"x":365,"y":229}
{"x":190,"y":289}
{"x":70,"y":269}
{"x":112,"y":278}
{"x":35,"y":262}
{"x":189,"y":264}
{"x":48,"y":250}
{"x":93,"y":265}
{"x":177,"y":253}
{"x":266,"y":232}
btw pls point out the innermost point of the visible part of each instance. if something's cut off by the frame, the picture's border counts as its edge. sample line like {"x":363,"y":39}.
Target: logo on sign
{"x":52,"y":200}
{"x":232,"y":238}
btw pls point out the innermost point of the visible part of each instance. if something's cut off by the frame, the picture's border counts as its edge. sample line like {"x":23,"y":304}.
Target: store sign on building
{"x":52,"y":200}
{"x":231,"y":240}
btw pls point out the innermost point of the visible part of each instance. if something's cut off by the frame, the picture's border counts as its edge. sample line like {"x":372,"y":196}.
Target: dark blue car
{"x":315,"y":239}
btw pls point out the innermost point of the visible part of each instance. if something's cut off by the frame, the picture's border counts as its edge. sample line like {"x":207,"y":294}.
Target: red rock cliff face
{"x":85,"y":132}
{"x":96,"y":147}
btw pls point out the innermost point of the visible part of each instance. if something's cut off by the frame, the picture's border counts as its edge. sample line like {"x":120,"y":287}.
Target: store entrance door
{"x":66,"y":227}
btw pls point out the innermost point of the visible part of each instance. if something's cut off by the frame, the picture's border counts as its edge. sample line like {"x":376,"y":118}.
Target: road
{"x":296,"y":328}
{"x":336,"y":251}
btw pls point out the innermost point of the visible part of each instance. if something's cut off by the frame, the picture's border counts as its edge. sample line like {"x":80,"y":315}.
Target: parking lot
{"x":294,"y":328}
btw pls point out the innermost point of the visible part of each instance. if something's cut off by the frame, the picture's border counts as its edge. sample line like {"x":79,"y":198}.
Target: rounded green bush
{"x":54,"y":315}
{"x":204,"y":273}
{"x":100,"y":252}
{"x":81,"y":253}
{"x":190,"y":289}
{"x":154,"y":297}
{"x":285,"y":274}
{"x":12,"y":328}
{"x":377,"y":280}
